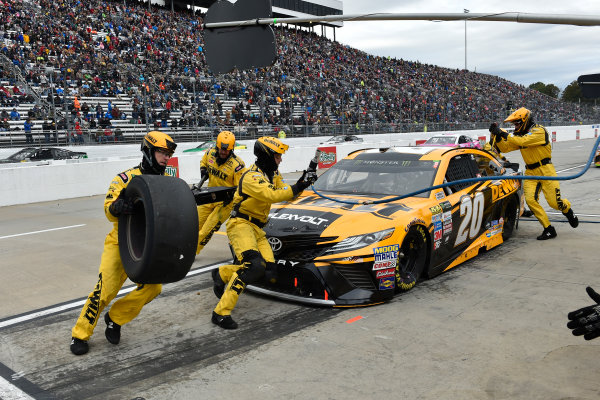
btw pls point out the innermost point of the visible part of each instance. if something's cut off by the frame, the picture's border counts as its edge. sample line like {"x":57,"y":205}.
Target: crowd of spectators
{"x":112,"y":48}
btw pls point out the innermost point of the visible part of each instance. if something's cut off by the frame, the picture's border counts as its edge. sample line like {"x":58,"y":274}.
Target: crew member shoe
{"x":78,"y":346}
{"x":549,"y":233}
{"x":573,"y":220}
{"x":219,"y":285}
{"x":112,"y":331}
{"x":224,"y":321}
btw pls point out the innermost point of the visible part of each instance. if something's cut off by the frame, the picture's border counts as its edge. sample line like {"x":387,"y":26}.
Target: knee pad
{"x":254,"y":266}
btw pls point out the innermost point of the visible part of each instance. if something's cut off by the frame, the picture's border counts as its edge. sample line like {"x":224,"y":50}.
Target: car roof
{"x":427,"y":152}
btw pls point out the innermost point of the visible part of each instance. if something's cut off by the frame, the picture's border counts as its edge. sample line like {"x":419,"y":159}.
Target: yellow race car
{"x":357,"y":252}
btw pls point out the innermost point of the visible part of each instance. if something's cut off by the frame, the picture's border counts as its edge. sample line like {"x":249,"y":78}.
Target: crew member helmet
{"x":521,"y":119}
{"x":225,"y":140}
{"x":265,"y":149}
{"x":153,"y":141}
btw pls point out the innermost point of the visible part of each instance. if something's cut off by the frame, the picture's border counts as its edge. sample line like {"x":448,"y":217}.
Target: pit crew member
{"x":258,"y":188}
{"x":157,"y":148}
{"x":533,"y":141}
{"x":221,"y":167}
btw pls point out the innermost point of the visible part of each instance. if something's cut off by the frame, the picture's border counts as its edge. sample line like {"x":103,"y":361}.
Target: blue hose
{"x":472,"y":180}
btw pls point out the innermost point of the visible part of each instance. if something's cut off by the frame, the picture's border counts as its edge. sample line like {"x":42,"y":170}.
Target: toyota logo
{"x":275,"y":243}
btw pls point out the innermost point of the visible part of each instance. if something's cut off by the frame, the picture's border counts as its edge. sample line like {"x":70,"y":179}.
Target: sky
{"x":520,"y":52}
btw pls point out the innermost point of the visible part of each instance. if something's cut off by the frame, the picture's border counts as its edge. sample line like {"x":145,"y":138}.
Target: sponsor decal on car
{"x":302,"y":218}
{"x":503,"y":189}
{"x":437,"y":232}
{"x":385,"y":273}
{"x":495,"y":228}
{"x":378,"y":265}
{"x":385,"y":257}
{"x":440,"y":195}
{"x":387,"y":283}
{"x":353,"y":259}
{"x":288,"y":262}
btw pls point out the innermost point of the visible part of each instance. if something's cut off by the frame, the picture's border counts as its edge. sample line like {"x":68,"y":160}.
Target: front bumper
{"x":325,"y":284}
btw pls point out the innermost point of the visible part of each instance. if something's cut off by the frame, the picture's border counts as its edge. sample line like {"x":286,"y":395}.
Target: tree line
{"x":571,"y":94}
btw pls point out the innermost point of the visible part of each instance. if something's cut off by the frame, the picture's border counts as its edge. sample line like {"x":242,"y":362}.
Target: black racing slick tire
{"x":158,"y":240}
{"x":511,"y":213}
{"x":412,"y":258}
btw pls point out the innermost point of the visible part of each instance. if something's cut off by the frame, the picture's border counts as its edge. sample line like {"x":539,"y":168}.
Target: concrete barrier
{"x":44,"y":181}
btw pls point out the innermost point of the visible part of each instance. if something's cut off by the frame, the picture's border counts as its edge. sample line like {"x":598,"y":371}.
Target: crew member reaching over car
{"x":532,"y":139}
{"x":258,"y":188}
{"x":221,"y":167}
{"x":157,"y":149}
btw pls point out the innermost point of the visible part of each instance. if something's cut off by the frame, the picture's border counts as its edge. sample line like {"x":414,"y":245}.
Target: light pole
{"x":144,"y":86}
{"x":50,"y":70}
{"x":193,"y":80}
{"x":466,"y":12}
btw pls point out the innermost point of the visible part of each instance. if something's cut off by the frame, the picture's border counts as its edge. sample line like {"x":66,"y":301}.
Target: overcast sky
{"x":519,"y":52}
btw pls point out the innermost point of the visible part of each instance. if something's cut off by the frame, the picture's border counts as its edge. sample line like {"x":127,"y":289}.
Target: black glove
{"x":203,"y":174}
{"x":586,"y":320}
{"x":122,"y":205}
{"x":494,"y":129}
{"x":301,"y":184}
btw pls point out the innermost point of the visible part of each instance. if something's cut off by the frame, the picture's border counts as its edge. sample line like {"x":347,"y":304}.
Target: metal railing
{"x":133,"y":133}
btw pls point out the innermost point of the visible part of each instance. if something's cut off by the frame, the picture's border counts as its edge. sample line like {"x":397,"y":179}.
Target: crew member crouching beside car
{"x":258,"y":188}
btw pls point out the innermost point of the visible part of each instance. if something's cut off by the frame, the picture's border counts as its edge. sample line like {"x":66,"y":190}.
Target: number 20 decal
{"x":472,"y":210}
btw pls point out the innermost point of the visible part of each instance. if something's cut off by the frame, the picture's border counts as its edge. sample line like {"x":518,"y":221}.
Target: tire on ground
{"x":158,"y":240}
{"x":412,"y":260}
{"x":510,"y":215}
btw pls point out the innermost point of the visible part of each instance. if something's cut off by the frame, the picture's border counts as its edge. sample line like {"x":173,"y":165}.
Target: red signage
{"x":173,"y":167}
{"x":420,"y":141}
{"x":577,"y":134}
{"x":328,"y":157}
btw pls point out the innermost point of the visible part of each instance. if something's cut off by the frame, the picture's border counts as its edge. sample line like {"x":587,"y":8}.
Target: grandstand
{"x":150,"y":67}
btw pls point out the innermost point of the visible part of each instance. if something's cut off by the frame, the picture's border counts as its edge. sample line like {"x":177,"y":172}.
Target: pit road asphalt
{"x":492,"y":328}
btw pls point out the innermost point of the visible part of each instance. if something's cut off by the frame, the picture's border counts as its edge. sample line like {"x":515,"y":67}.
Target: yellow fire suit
{"x":251,"y":206}
{"x":112,"y":275}
{"x":211,"y":216}
{"x":536,"y":150}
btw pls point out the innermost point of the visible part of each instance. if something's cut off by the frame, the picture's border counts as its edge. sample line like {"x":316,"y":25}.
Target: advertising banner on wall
{"x":173,"y":167}
{"x":328,"y":157}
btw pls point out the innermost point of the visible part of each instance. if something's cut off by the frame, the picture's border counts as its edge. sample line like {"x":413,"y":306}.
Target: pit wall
{"x":45,"y":181}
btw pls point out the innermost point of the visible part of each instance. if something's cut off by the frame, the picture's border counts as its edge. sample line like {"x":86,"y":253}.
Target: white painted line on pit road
{"x":8,"y":391}
{"x":568,"y":169}
{"x":80,"y":303}
{"x":42,"y":231}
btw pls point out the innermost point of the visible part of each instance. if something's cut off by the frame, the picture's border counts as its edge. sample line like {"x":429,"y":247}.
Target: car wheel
{"x":158,"y":240}
{"x":510,"y":218}
{"x":412,"y":258}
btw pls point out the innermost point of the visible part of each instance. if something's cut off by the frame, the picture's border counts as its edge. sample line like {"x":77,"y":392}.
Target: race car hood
{"x":313,"y":215}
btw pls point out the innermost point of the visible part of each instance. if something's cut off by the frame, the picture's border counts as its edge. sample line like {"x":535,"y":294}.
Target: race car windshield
{"x":385,"y":174}
{"x":439,"y":140}
{"x":21,"y":155}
